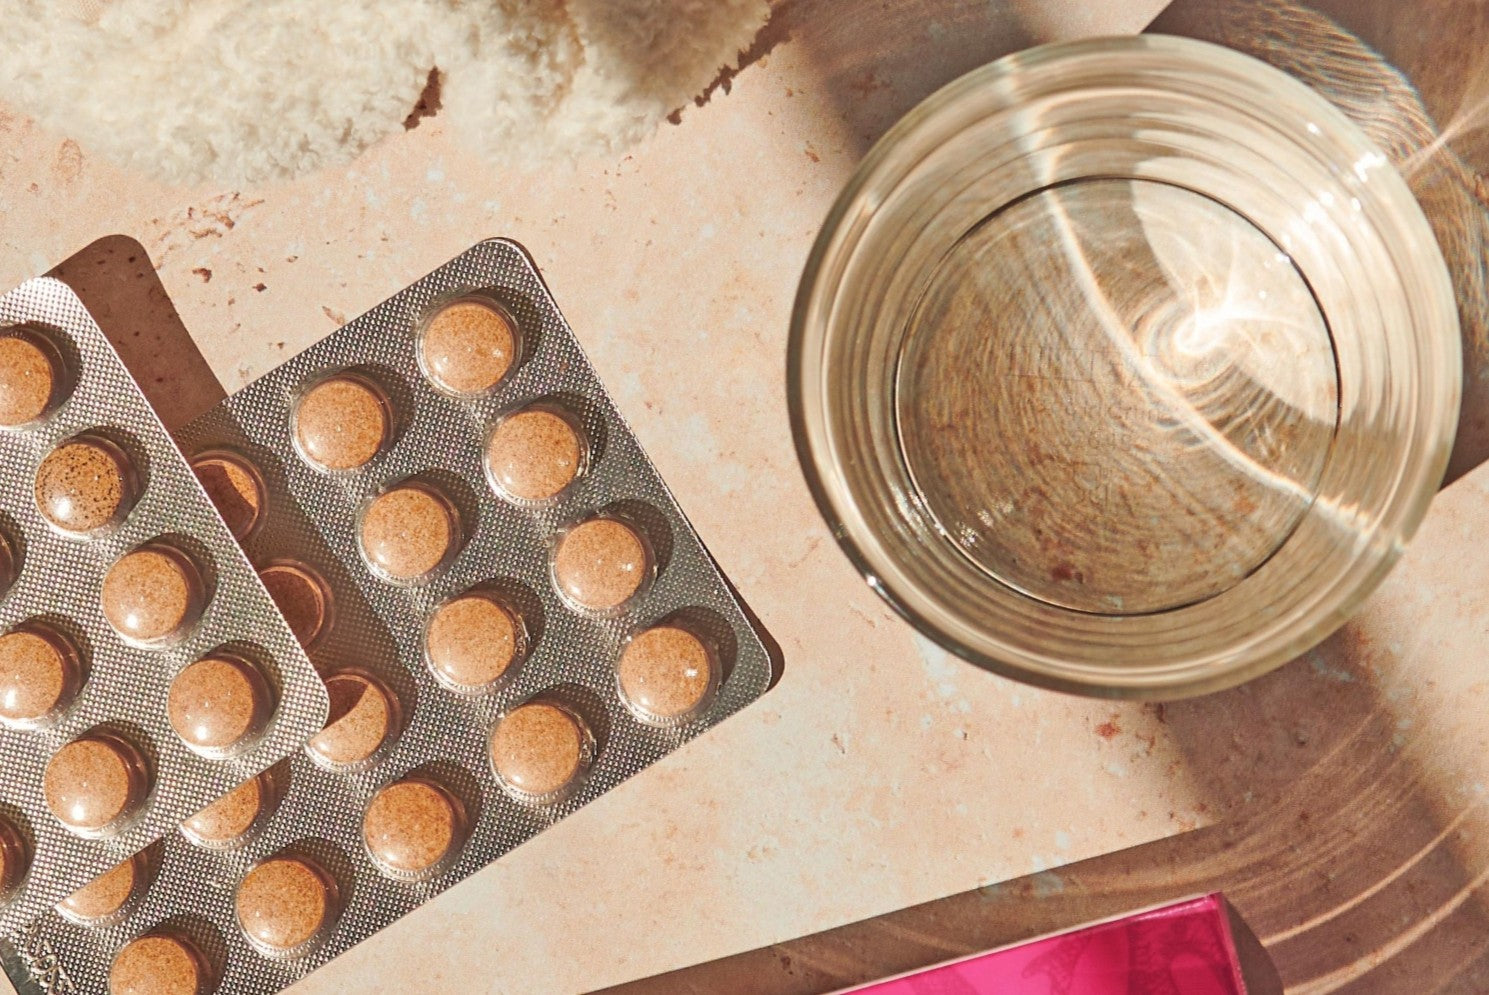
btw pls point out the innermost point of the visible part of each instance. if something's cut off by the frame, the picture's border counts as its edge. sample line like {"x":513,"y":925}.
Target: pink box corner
{"x":1184,"y":948}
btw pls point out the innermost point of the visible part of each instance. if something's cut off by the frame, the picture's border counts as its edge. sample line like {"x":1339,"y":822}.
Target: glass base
{"x":1117,"y":396}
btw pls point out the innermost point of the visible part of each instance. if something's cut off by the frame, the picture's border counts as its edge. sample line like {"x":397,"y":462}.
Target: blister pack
{"x":512,"y":613}
{"x":144,"y":670}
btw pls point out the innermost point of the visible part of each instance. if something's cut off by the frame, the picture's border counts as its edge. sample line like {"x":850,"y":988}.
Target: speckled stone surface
{"x":879,"y":772}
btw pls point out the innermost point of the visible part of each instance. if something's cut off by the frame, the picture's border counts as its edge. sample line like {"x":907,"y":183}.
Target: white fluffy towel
{"x":248,"y":90}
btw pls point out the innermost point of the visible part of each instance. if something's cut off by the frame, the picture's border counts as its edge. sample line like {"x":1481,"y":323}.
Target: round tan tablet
{"x":8,"y":566}
{"x":472,"y":642}
{"x":363,"y":716}
{"x":468,"y":347}
{"x":601,"y":564}
{"x":152,"y":594}
{"x":84,"y":485}
{"x":534,"y":455}
{"x":13,"y":859}
{"x":235,"y":489}
{"x":159,"y":964}
{"x":102,"y":899}
{"x":94,"y":783}
{"x":39,"y":674}
{"x":341,"y":423}
{"x":28,"y":379}
{"x":666,"y":674}
{"x":218,"y":703}
{"x":412,"y":827}
{"x":301,"y":596}
{"x":407,"y":531}
{"x":284,"y":903}
{"x":228,"y":820}
{"x":538,"y":750}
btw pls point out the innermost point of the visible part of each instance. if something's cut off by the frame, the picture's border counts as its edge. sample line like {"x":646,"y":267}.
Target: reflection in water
{"x":1118,"y":396}
{"x":1387,"y":106}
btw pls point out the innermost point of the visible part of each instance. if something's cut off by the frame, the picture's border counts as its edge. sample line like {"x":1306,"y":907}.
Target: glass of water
{"x":1125,"y":366}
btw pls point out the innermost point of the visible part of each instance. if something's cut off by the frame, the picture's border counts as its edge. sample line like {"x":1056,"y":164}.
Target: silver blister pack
{"x":81,"y":685}
{"x":376,"y":628}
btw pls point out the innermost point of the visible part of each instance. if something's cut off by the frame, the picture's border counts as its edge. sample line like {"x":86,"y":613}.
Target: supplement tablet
{"x":95,"y":783}
{"x":666,"y":674}
{"x":40,"y":674}
{"x":534,"y":455}
{"x":100,"y":902}
{"x":284,"y":903}
{"x":407,"y":531}
{"x":302,"y":597}
{"x":539,"y":750}
{"x":13,"y":859}
{"x":235,"y":489}
{"x":363,"y":716}
{"x":412,"y":828}
{"x":30,"y":372}
{"x":472,"y":642}
{"x":8,"y":565}
{"x":601,"y":564}
{"x":468,"y":346}
{"x":152,"y":594}
{"x":159,"y":964}
{"x":217,"y":704}
{"x":341,"y":423}
{"x":229,"y":820}
{"x":84,"y":486}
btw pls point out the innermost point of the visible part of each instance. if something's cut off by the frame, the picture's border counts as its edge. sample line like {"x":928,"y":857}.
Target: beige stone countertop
{"x":879,"y":772}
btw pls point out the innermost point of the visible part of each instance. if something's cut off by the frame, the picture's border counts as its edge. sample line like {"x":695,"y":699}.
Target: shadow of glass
{"x":117,"y":282}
